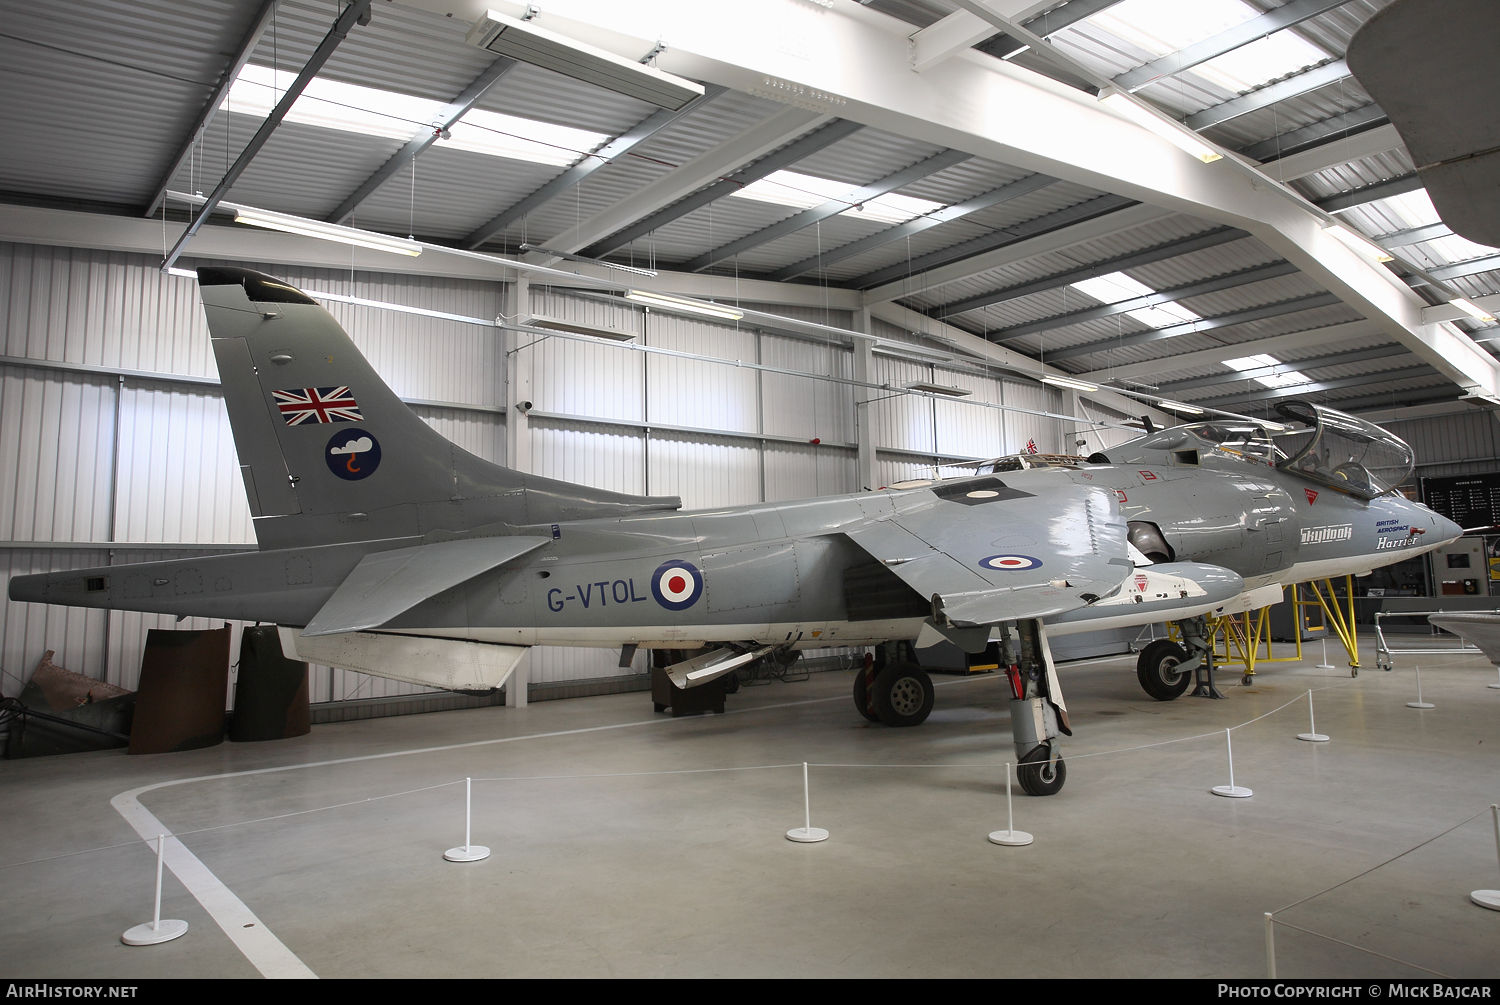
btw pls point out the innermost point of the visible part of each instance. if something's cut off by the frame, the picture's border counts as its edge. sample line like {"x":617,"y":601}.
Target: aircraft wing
{"x":386,"y":583}
{"x":1004,"y":554}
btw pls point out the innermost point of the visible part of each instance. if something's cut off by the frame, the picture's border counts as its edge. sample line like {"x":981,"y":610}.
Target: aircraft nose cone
{"x":1447,"y":530}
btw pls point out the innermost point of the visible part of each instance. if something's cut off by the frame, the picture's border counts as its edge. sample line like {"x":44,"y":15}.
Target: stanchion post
{"x":807,"y":833}
{"x":1270,"y":947}
{"x":1010,"y":837}
{"x":469,"y":852}
{"x":1312,"y":733}
{"x":1231,"y":790}
{"x":1419,"y":703}
{"x":1497,"y":670}
{"x":1325,"y":665}
{"x":158,"y":931}
{"x":1490,"y":898}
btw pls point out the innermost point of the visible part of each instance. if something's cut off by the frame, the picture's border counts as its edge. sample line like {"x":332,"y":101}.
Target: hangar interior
{"x":880,"y":242}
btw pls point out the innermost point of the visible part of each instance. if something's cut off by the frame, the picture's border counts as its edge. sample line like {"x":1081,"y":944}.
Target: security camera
{"x":523,"y":407}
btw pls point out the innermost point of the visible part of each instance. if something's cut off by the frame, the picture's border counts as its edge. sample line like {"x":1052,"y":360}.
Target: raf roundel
{"x":677,"y":585}
{"x":1010,"y":563}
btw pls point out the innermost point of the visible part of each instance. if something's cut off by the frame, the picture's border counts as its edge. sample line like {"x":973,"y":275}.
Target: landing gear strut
{"x":1165,"y":669}
{"x":1038,"y":716}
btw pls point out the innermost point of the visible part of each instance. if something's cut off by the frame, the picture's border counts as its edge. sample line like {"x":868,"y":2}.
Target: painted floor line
{"x":260,"y":946}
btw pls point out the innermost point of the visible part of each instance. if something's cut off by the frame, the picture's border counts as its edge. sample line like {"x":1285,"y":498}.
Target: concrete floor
{"x":1136,"y":871}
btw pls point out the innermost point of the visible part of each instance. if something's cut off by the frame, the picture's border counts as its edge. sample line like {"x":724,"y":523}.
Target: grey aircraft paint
{"x":370,"y":523}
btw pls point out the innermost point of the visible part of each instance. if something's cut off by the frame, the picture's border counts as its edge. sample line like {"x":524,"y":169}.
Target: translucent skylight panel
{"x":1456,"y":249}
{"x":1112,"y":288}
{"x":1413,"y":209}
{"x":1251,"y":65}
{"x":1290,"y":378}
{"x":788,"y":188}
{"x":521,"y":139}
{"x":333,"y":104}
{"x":1163,"y":26}
{"x":1252,"y":362}
{"x":1163,"y":315}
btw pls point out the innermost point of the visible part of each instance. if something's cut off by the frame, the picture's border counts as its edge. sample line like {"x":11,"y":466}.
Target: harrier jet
{"x":387,"y":549}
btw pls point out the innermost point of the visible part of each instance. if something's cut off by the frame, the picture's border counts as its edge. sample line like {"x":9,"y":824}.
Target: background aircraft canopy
{"x":1339,"y":450}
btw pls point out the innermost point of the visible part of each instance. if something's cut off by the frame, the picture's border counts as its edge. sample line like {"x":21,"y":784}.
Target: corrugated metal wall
{"x":605,"y":415}
{"x":1462,"y":443}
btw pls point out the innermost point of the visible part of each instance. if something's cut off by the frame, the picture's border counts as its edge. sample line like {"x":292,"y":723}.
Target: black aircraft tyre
{"x":903,"y":695}
{"x":1038,"y":775}
{"x":862,"y":696}
{"x":1157,"y":670}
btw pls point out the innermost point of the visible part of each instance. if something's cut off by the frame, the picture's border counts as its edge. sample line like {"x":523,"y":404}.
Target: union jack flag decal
{"x":303,"y":406}
{"x":1031,"y":446}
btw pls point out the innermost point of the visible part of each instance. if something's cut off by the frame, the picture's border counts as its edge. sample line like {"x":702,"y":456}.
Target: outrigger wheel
{"x":902,"y":695}
{"x":1157,"y":670}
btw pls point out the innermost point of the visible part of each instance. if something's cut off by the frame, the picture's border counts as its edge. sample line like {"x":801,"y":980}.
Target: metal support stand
{"x":1490,"y":898}
{"x":1203,"y":678}
{"x":1010,"y":837}
{"x":158,"y":931}
{"x":469,"y":852}
{"x":807,"y":833}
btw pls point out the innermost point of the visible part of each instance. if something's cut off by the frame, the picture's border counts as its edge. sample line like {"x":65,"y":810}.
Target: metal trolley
{"x":1384,"y":653}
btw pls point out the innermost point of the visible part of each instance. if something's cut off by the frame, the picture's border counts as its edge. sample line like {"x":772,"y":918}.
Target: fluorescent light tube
{"x":1358,"y":242}
{"x":1472,"y":309}
{"x":1068,"y":382}
{"x":327,"y":231}
{"x":579,"y":328}
{"x":667,"y":302}
{"x":1177,"y":406}
{"x":186,"y":273}
{"x":1179,"y":136}
{"x":532,"y":44}
{"x":948,"y":389}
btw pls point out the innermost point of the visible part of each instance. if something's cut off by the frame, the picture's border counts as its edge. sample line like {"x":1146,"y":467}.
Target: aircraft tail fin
{"x":327,"y":450}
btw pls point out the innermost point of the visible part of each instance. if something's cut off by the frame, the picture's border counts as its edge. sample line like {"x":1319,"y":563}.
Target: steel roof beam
{"x":451,"y":113}
{"x":1342,"y":151}
{"x":1228,"y":281}
{"x":1100,"y":206}
{"x":1370,"y":193}
{"x":1473,"y":267}
{"x":1156,"y":253}
{"x":957,"y":211}
{"x":251,"y":39}
{"x":1329,"y":130}
{"x":358,"y":12}
{"x":963,"y":29}
{"x":1045,"y":24}
{"x":1415,"y":396}
{"x":1292,"y":306}
{"x":785,"y":157}
{"x":617,"y":147}
{"x":1228,"y":40}
{"x":1295,"y":390}
{"x":1301,"y":83}
{"x":1416,"y":235}
{"x":833,"y":207}
{"x":1276,"y":343}
{"x":1332,"y":359}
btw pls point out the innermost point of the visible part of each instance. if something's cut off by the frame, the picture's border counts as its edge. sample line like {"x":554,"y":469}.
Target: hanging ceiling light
{"x":1070,"y":383}
{"x":945,"y":389}
{"x":1177,"y":406}
{"x":633,"y":270}
{"x":326,"y":231}
{"x":1358,"y":242}
{"x":683,"y":305}
{"x":579,"y":328}
{"x":1472,"y":309}
{"x":532,"y":44}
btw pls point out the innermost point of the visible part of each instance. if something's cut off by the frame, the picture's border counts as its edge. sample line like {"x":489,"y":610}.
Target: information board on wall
{"x":1467,"y":500}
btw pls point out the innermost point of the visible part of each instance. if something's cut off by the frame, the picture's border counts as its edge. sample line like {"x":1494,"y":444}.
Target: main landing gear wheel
{"x":862,"y":696}
{"x":1157,"y":670}
{"x":903,"y":695}
{"x":1039,"y":775}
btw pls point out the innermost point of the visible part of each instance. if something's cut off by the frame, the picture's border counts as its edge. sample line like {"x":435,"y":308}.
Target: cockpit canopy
{"x":1321,"y":444}
{"x":1337,"y":449}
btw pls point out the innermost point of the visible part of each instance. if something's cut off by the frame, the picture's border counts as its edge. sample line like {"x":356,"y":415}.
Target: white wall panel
{"x":685,"y":392}
{"x":964,"y":426}
{"x":480,"y":433}
{"x":804,"y":406}
{"x":706,"y":471}
{"x":29,"y":630}
{"x":604,"y":458}
{"x":56,"y":438}
{"x":798,"y":472}
{"x":903,"y":421}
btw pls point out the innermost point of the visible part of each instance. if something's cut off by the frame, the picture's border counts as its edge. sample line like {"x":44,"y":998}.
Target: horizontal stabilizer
{"x":454,"y":664}
{"x":388,"y":583}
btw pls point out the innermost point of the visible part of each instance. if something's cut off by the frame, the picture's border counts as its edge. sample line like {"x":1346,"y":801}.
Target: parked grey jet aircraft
{"x":391,"y":551}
